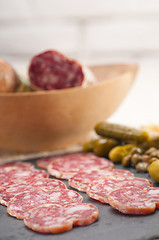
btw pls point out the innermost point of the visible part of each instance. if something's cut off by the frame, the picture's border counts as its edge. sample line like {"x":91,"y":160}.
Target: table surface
{"x":111,"y":224}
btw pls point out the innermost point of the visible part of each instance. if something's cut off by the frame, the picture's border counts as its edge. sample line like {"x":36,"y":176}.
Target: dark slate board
{"x":111,"y":225}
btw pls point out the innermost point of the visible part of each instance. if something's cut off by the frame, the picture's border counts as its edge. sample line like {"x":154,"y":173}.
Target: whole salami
{"x":52,"y":70}
{"x":9,"y":79}
{"x":22,"y":203}
{"x":101,"y":188}
{"x":136,"y":201}
{"x":50,"y":218}
{"x":68,"y":165}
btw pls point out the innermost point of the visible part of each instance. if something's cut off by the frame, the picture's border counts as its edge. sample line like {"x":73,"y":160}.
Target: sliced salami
{"x":50,"y":218}
{"x":44,"y":162}
{"x":6,"y":194}
{"x":15,"y":165}
{"x":52,"y":70}
{"x":101,"y":188}
{"x":81,"y":180}
{"x":13,"y":176}
{"x":68,"y":165}
{"x":22,"y":203}
{"x":132,"y":200}
{"x":2,"y":195}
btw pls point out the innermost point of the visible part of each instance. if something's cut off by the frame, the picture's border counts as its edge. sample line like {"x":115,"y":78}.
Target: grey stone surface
{"x":111,"y":225}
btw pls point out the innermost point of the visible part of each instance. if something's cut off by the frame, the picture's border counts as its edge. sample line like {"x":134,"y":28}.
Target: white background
{"x":92,"y":31}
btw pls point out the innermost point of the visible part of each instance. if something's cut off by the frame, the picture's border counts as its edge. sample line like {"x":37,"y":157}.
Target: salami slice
{"x":13,"y":176}
{"x":22,"y":203}
{"x":50,"y":218}
{"x":2,"y":194}
{"x":15,"y":165}
{"x":44,"y":162}
{"x":132,"y":200}
{"x":52,"y":70}
{"x":81,"y":180}
{"x":67,"y":166}
{"x":101,"y":188}
{"x":6,"y":194}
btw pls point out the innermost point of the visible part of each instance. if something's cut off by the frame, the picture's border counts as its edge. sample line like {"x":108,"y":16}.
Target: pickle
{"x":121,"y":133}
{"x":153,"y":170}
{"x":102,"y":146}
{"x":117,"y":153}
{"x":154,"y":142}
{"x":89,"y":146}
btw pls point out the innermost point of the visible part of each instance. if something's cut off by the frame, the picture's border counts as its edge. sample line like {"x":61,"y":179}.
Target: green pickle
{"x":154,"y":142}
{"x":102,"y":146}
{"x":121,"y":133}
{"x":117,"y":153}
{"x":89,"y":146}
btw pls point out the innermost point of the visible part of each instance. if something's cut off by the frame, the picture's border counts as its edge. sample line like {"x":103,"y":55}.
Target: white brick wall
{"x":90,"y":30}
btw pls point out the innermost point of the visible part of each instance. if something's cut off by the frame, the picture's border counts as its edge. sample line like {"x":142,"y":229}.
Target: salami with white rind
{"x":22,"y":203}
{"x":68,"y":165}
{"x":132,"y":200}
{"x":50,"y":218}
{"x":101,"y":188}
{"x":9,"y":79}
{"x":6,"y":194}
{"x":81,"y":180}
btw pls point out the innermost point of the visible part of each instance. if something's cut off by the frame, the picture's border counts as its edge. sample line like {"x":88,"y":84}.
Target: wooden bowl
{"x":51,"y":120}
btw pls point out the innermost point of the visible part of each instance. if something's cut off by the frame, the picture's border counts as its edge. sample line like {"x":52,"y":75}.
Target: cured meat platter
{"x":111,"y":224}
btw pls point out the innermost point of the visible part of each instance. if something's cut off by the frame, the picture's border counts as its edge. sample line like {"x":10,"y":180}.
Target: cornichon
{"x":154,"y":142}
{"x":102,"y":146}
{"x":121,"y":133}
{"x":117,"y":153}
{"x":88,"y":146}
